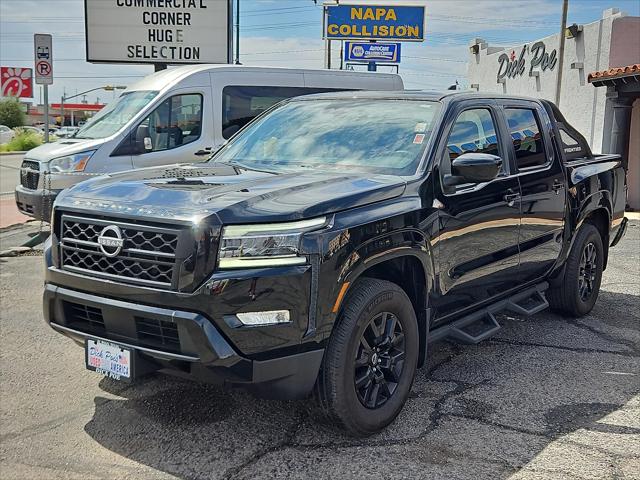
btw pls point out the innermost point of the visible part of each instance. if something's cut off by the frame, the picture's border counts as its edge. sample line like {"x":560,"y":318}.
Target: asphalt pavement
{"x":547,"y":397}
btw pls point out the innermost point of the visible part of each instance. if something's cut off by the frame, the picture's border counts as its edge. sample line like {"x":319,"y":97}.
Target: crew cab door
{"x":542,"y":184}
{"x":178,"y":130}
{"x":477,"y":243}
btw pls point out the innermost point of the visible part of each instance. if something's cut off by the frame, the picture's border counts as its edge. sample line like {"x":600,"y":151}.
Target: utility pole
{"x":563,"y":27}
{"x":238,"y":32}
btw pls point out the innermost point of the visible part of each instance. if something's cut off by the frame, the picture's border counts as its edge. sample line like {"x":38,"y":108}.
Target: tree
{"x":11,"y":113}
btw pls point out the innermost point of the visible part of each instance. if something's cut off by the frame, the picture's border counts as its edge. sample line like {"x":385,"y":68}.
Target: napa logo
{"x":358,"y":51}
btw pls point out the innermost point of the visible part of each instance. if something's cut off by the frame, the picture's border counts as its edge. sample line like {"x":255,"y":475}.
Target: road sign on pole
{"x":43,"y":59}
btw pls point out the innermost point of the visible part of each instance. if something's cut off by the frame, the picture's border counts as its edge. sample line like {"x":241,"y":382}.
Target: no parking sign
{"x":43,"y":57}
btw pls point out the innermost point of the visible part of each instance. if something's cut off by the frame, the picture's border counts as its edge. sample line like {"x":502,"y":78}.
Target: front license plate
{"x":109,"y":359}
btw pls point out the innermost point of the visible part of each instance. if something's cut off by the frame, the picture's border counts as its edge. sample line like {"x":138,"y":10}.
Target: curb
{"x":20,"y":152}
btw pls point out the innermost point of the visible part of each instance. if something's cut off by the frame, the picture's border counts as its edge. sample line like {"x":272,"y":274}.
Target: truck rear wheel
{"x":370,"y":362}
{"x":577,"y":291}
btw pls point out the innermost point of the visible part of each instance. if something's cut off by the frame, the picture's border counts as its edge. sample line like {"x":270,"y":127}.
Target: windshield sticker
{"x":418,"y":139}
{"x":420,"y":127}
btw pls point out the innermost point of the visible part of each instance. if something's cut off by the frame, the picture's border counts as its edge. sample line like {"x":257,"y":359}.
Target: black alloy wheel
{"x":588,"y":271}
{"x":379,"y":360}
{"x":371,"y":358}
{"x":575,"y":291}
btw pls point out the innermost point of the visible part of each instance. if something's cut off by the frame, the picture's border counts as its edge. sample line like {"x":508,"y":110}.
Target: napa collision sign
{"x":158,"y":31}
{"x":375,"y":22}
{"x":372,"y":52}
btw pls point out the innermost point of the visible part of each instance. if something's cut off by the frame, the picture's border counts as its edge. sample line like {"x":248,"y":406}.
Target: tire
{"x":377,"y":327}
{"x":576,"y":292}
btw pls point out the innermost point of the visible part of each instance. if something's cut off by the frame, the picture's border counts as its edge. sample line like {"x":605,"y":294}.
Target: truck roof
{"x":415,"y":95}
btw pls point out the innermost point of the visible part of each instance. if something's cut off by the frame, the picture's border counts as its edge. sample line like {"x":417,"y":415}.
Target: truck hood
{"x":190,"y":192}
{"x":65,"y":146}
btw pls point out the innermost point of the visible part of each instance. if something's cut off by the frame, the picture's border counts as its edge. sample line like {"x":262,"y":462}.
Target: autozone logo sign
{"x":16,"y":82}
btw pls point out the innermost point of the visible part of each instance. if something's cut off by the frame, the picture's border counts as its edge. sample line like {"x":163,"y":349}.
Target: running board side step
{"x":482,"y":324}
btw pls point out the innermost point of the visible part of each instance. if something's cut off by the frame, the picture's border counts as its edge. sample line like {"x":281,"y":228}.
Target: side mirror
{"x":473,"y":168}
{"x":143,"y":139}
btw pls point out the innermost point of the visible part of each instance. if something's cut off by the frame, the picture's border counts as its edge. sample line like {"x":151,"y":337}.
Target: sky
{"x":287,"y":33}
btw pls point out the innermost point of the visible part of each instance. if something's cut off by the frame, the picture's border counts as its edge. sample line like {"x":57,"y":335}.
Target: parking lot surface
{"x":547,"y":397}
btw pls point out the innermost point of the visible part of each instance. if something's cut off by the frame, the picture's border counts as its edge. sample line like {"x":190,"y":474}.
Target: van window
{"x":116,"y":114}
{"x":175,"y":122}
{"x":241,"y":104}
{"x":527,"y":139}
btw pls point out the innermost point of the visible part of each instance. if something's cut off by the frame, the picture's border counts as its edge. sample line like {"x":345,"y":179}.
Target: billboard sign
{"x":375,"y":22}
{"x":43,"y":58}
{"x":158,"y":31}
{"x":372,"y":52}
{"x":16,"y":82}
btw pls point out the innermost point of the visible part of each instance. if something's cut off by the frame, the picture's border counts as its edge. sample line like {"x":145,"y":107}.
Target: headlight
{"x":264,"y":245}
{"x":70,"y":163}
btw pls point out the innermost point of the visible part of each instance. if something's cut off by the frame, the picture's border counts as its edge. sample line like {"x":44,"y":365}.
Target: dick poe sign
{"x":375,"y":22}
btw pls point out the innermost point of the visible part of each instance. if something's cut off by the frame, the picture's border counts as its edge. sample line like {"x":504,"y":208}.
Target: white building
{"x":603,"y":115}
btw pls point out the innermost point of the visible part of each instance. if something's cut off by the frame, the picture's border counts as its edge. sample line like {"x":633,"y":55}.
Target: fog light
{"x":264,"y":318}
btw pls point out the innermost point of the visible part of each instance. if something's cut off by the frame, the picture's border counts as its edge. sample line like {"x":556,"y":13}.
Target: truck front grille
{"x":30,"y":174}
{"x":127,"y":252}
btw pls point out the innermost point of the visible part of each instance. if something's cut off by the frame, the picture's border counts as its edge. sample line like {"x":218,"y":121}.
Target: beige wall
{"x":633,"y":175}
{"x":625,"y":42}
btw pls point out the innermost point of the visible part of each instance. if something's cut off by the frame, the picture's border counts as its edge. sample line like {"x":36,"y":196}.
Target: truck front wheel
{"x":371,"y":359}
{"x":577,"y":291}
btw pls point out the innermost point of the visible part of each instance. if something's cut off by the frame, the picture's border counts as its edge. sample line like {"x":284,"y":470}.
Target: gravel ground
{"x":547,"y":397}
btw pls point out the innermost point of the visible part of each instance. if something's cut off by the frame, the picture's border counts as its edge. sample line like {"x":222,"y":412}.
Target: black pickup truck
{"x":331,"y":241}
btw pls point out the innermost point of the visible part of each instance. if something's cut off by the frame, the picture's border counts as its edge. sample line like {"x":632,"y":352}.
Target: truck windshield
{"x":365,"y":135}
{"x":116,"y":115}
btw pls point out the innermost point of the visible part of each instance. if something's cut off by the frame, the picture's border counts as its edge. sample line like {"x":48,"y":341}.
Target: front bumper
{"x":35,"y":203}
{"x":180,"y":342}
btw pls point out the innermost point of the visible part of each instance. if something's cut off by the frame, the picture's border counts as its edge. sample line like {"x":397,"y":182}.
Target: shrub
{"x":23,"y":141}
{"x":11,"y":113}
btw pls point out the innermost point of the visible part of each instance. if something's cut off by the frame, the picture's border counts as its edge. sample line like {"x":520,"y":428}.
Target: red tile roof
{"x":615,"y":72}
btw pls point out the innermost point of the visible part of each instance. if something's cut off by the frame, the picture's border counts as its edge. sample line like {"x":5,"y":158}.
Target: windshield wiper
{"x":236,"y":164}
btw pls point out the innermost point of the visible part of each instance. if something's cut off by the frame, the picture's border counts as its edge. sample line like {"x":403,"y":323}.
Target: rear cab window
{"x":526,"y":135}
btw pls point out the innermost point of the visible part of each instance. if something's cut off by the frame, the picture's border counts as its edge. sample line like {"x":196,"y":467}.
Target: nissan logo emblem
{"x":111,"y":241}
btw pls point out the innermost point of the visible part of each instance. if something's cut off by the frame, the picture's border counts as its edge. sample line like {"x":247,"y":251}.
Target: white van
{"x":182,"y":114}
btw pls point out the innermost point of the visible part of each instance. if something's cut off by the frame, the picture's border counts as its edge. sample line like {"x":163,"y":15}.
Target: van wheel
{"x":370,"y":362}
{"x":577,"y":291}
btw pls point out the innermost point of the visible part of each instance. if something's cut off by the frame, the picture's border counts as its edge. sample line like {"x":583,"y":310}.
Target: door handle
{"x":205,"y":151}
{"x":510,"y":197}
{"x":557,"y":186}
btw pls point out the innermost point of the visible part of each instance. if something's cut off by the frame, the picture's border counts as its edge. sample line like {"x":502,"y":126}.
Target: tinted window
{"x":175,"y":122}
{"x":350,"y":135}
{"x":241,"y":104}
{"x":473,"y":131}
{"x":527,"y":139}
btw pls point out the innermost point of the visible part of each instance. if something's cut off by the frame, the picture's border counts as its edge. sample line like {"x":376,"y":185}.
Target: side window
{"x":241,"y":104}
{"x":175,"y":122}
{"x":526,"y":136}
{"x":473,"y":131}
